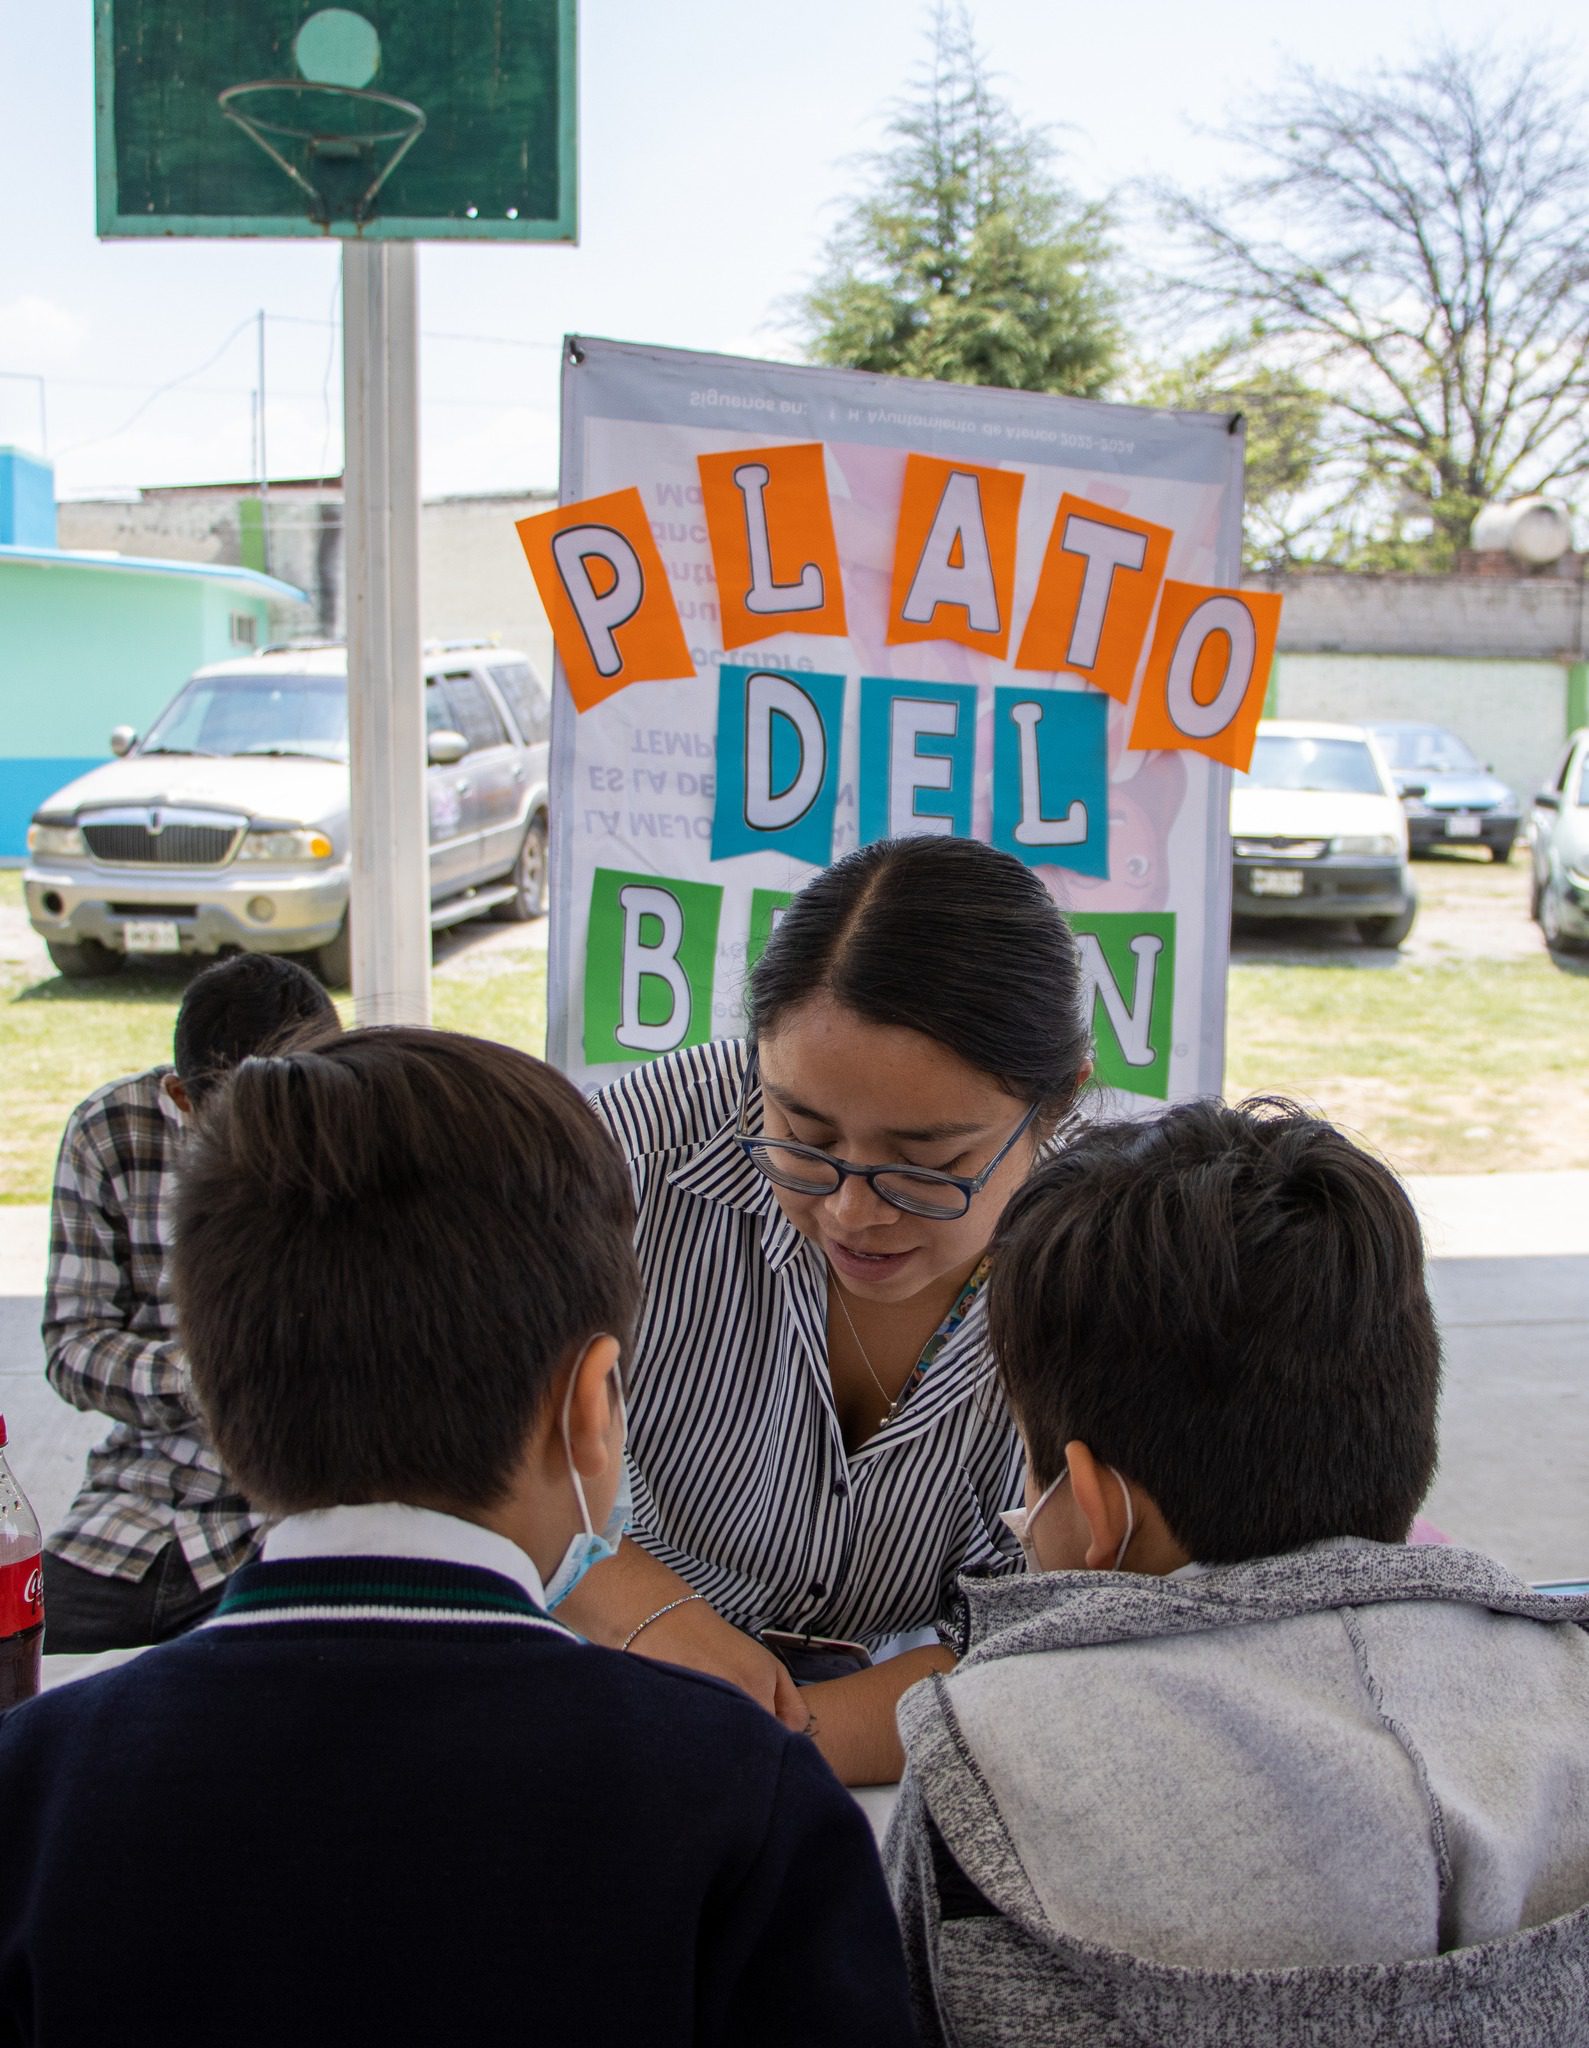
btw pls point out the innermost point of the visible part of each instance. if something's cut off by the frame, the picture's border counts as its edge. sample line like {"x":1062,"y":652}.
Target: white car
{"x":227,"y":824}
{"x":1317,"y":830}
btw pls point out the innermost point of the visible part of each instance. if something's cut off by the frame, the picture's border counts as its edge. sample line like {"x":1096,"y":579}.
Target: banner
{"x":800,"y":609}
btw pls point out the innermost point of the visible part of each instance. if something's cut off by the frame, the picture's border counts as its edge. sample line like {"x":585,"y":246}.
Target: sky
{"x":718,"y":139}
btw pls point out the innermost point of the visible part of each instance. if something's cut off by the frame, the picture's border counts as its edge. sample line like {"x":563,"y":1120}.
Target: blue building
{"x":89,"y":641}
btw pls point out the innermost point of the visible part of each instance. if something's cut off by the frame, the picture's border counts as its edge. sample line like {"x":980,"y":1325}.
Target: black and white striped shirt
{"x":742,"y":1482}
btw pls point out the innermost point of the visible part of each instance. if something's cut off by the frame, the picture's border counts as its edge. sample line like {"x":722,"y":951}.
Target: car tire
{"x":335,"y":959}
{"x":528,"y":900}
{"x":1498,"y":853}
{"x":1387,"y":931}
{"x":1535,"y":892}
{"x":1556,"y":939}
{"x":84,"y":959}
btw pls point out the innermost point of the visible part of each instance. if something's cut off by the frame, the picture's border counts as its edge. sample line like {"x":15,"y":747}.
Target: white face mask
{"x":1019,"y":1521}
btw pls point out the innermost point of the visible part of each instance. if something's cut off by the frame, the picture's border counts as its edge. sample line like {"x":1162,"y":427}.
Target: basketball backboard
{"x":397,"y":120}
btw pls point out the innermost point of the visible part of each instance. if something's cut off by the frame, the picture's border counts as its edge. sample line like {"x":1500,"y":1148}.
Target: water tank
{"x":1533,"y":531}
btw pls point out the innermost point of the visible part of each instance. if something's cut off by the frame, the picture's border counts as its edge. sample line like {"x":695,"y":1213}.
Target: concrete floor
{"x":1510,"y":1277}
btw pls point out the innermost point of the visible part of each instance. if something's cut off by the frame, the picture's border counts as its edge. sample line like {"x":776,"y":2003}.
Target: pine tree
{"x":966,"y":259}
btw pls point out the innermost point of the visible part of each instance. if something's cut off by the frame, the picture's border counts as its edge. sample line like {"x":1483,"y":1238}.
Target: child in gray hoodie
{"x":1231,"y":1764}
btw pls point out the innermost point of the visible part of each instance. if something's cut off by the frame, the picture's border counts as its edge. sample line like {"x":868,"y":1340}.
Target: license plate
{"x":151,"y":935}
{"x":1462,"y":828}
{"x":1275,"y":882}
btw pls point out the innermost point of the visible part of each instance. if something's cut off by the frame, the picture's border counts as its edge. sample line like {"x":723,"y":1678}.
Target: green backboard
{"x":396,"y":120}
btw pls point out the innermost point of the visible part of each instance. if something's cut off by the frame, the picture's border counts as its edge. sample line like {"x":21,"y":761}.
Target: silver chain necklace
{"x":890,"y":1407}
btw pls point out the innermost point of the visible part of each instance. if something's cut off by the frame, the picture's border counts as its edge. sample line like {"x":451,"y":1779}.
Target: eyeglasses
{"x":915,"y":1189}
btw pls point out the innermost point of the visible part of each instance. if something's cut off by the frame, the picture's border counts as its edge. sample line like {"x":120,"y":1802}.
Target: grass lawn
{"x":1468,"y":1066}
{"x":60,"y":1039}
{"x":1444,"y":1064}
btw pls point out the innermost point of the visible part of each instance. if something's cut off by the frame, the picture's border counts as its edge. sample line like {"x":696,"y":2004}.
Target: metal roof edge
{"x":254,"y":581}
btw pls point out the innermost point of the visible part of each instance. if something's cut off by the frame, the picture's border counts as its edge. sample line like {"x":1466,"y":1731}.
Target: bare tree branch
{"x":1423,"y":234}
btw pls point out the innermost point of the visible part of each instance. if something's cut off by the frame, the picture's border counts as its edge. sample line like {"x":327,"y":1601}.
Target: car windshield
{"x":1427,"y":747}
{"x":256,"y":714}
{"x":1281,"y":762}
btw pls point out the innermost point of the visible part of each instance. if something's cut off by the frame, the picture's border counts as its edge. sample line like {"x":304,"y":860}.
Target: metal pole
{"x":264,"y":460}
{"x":391,"y":869}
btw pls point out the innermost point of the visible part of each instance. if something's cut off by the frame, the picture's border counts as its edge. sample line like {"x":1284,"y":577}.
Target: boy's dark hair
{"x":239,"y":1006}
{"x":1227,"y":1305}
{"x":945,"y":936}
{"x":385,"y":1249}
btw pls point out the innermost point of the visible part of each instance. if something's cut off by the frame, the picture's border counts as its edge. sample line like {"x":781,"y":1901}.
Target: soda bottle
{"x":21,"y":1589}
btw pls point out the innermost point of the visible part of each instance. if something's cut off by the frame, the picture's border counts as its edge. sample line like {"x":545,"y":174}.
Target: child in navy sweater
{"x":384,"y":1795}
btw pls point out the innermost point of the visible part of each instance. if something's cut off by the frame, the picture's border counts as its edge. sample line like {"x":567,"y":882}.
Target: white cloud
{"x":511,"y":449}
{"x":40,"y":335}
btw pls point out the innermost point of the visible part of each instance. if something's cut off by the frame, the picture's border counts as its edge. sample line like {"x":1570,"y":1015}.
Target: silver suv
{"x":227,"y":823}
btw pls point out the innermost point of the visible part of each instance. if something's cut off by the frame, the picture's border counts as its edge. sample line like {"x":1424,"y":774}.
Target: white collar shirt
{"x":392,"y":1529}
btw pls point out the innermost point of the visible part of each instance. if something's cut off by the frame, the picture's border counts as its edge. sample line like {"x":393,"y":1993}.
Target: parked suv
{"x":227,"y":823}
{"x":1317,"y":830}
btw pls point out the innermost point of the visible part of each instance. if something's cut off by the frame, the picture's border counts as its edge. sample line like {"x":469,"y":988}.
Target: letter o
{"x":1227,"y":615}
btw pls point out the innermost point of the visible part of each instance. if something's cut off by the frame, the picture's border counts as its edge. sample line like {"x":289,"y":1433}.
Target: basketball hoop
{"x":332,"y":128}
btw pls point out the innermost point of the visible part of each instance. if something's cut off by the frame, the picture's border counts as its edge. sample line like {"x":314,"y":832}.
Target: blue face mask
{"x":586,"y":1547}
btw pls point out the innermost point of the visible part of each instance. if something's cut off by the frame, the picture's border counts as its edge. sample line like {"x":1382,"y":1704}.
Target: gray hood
{"x":1336,"y":1770}
{"x":285,"y":787}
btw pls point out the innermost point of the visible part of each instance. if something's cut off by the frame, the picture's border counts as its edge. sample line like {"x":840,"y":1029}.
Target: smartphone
{"x":811,"y":1659}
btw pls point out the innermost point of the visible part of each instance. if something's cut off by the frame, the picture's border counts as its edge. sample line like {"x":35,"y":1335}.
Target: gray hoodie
{"x":1327,"y":1800}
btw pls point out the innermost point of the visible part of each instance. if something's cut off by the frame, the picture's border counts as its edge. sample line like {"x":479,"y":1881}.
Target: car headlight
{"x":1373,"y":845}
{"x":298,"y":843}
{"x":62,"y":842}
{"x":1415,"y":807}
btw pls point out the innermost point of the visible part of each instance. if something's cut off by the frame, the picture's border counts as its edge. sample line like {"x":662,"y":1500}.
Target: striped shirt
{"x":110,"y":1346}
{"x":742,"y":1482}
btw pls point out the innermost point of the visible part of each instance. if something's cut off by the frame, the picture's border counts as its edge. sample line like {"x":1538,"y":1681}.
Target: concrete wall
{"x":84,"y":647}
{"x":1513,"y":714}
{"x":474,"y":579}
{"x":301,"y":542}
{"x":1538,"y":617}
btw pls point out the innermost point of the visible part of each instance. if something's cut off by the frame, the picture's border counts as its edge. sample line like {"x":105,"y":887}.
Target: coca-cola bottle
{"x":21,"y":1589}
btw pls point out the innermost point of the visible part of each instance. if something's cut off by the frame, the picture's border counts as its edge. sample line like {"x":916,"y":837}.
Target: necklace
{"x":891,"y":1407}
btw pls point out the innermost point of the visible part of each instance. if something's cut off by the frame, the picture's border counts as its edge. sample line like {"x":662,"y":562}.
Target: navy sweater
{"x":390,"y":1802}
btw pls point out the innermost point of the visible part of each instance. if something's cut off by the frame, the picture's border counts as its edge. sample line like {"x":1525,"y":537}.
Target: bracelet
{"x":683,"y":1600}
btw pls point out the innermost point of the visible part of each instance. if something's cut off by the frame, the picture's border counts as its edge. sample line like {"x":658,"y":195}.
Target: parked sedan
{"x":1451,"y":798}
{"x":1558,"y":846}
{"x":1317,"y":831}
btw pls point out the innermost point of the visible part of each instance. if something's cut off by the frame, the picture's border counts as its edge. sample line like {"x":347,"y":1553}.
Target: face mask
{"x":586,"y":1547}
{"x":1019,"y":1521}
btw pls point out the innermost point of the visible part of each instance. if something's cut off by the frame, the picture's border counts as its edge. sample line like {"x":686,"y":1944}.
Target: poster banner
{"x":800,"y":609}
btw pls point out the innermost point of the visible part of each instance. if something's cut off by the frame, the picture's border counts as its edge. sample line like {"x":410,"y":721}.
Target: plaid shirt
{"x":110,"y":1345}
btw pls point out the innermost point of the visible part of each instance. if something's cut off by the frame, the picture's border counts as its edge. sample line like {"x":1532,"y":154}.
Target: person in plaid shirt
{"x":157,"y":1527}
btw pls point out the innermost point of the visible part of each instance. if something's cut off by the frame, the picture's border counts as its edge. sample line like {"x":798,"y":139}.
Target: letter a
{"x":955,"y":566}
{"x":954,"y":555}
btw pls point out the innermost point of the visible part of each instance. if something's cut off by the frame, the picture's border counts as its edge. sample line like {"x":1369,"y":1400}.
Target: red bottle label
{"x":21,"y":1595}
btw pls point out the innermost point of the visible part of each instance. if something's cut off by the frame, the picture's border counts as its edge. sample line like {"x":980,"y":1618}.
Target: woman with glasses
{"x":816,"y":1441}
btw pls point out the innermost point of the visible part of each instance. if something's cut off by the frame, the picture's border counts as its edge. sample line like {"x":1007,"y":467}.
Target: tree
{"x":1283,"y":416}
{"x":966,"y":260}
{"x":1416,"y":246}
